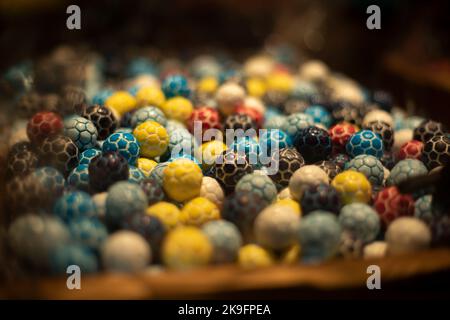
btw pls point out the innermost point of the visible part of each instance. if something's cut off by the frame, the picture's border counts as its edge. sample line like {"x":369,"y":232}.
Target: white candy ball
{"x":125,"y":251}
{"x":212,"y":191}
{"x":400,"y":138}
{"x":309,"y":175}
{"x":229,"y":96}
{"x":407,"y":234}
{"x":378,"y":115}
{"x":375,"y":249}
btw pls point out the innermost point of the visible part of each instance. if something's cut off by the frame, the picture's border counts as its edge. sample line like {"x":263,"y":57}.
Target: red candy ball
{"x":256,"y":116}
{"x":411,"y":150}
{"x":209,"y":118}
{"x":340,"y":134}
{"x":391,"y":204}
{"x":42,"y":125}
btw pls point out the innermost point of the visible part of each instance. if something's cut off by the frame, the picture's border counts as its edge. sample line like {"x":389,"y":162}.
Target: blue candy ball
{"x":360,"y":220}
{"x":73,"y":255}
{"x":88,"y":231}
{"x":101,"y":96}
{"x":135,"y":175}
{"x":320,"y":115}
{"x":370,"y":166}
{"x":87,"y":155}
{"x":79,"y":177}
{"x":273,"y":140}
{"x":73,"y":205}
{"x":365,"y":142}
{"x":176,"y":85}
{"x":124,"y":143}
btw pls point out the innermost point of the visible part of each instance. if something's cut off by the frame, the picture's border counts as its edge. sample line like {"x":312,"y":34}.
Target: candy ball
{"x":296,"y":122}
{"x":152,"y":189}
{"x":42,"y":125}
{"x":149,"y":227}
{"x":182,"y":180}
{"x":423,"y":208}
{"x":73,"y":205}
{"x":378,"y":116}
{"x":240,"y":121}
{"x":436,"y":152}
{"x":146,"y":165}
{"x":313,"y":143}
{"x":88,"y":231}
{"x":168,"y":213}
{"x":79,"y":177}
{"x":21,"y":162}
{"x":102,"y":118}
{"x":406,"y":169}
{"x":340,"y":134}
{"x":259,"y":184}
{"x":406,"y":235}
{"x":186,"y":247}
{"x":229,"y":96}
{"x":152,"y":138}
{"x":158,"y":172}
{"x":384,"y":130}
{"x":59,"y":152}
{"x":319,"y":236}
{"x":212,"y":191}
{"x":106,"y":169}
{"x":352,"y":187}
{"x":391,"y":204}
{"x":330,"y":167}
{"x":257,"y":116}
{"x":360,"y":220}
{"x":365,"y":142}
{"x":208,"y":152}
{"x":206,"y":117}
{"x":50,"y":183}
{"x":135,"y":175}
{"x":321,"y":196}
{"x":125,"y":144}
{"x":24,"y":194}
{"x":124,"y":198}
{"x":411,"y":150}
{"x":427,"y":130}
{"x":178,"y":108}
{"x":242,"y":209}
{"x":275,"y":122}
{"x":121,"y":102}
{"x":175,"y":85}
{"x":370,"y":166}
{"x":253,"y":256}
{"x":73,"y":254}
{"x":225,"y":239}
{"x":125,"y":251}
{"x":276,"y":227}
{"x":347,"y":112}
{"x":81,"y":131}
{"x":150,"y":96}
{"x":249,"y":148}
{"x":199,"y":211}
{"x":181,"y":142}
{"x":87,"y":155}
{"x":400,"y":138}
{"x":289,"y":161}
{"x":306,"y":176}
{"x":320,"y":115}
{"x":34,"y":237}
{"x":230,"y":168}
{"x":273,"y":140}
{"x":375,"y":250}
{"x":146,"y":114}
{"x":340,"y":159}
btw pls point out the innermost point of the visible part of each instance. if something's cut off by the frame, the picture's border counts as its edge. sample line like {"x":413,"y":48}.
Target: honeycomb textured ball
{"x":87,"y":155}
{"x":321,"y":196}
{"x":212,"y":191}
{"x":125,"y":144}
{"x":42,"y":125}
{"x":59,"y":152}
{"x":185,"y":248}
{"x":411,"y":150}
{"x":34,"y":237}
{"x":88,"y":231}
{"x":182,"y":180}
{"x":378,"y":115}
{"x":167,"y":212}
{"x":152,"y":138}
{"x":225,"y":239}
{"x":276,"y":227}
{"x":178,"y":108}
{"x":406,"y":169}
{"x":407,"y":234}
{"x":423,"y":209}
{"x":124,"y":198}
{"x":150,"y":95}
{"x":427,"y":130}
{"x":175,"y":85}
{"x":230,"y":167}
{"x":340,"y":133}
{"x":73,"y":205}
{"x":352,"y":187}
{"x":102,"y":118}
{"x":259,"y":184}
{"x":106,"y":169}
{"x":135,"y":175}
{"x":384,"y":130}
{"x":21,"y":162}
{"x":253,"y":256}
{"x":148,"y":113}
{"x":296,"y":122}
{"x":81,"y":131}
{"x":370,"y":166}
{"x":365,"y":142}
{"x":79,"y":177}
{"x":375,"y":250}
{"x":199,"y":211}
{"x":289,"y":161}
{"x":146,"y":165}
{"x":436,"y":151}
{"x":313,"y":143}
{"x":125,"y":251}
{"x":229,"y":96}
{"x":360,"y":220}
{"x":331,"y":168}
{"x":391,"y":204}
{"x":306,"y":176}
{"x":319,"y":236}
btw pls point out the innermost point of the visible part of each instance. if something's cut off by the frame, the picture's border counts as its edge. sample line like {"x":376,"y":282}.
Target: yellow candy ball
{"x":152,"y":137}
{"x":254,"y":256}
{"x":291,"y":204}
{"x":167,"y":212}
{"x":352,"y":187}
{"x":280,"y":82}
{"x":150,"y":95}
{"x":186,"y":247}
{"x":182,"y":180}
{"x":208,"y":152}
{"x":178,"y":108}
{"x":146,"y":165}
{"x":121,"y":102}
{"x":208,"y":85}
{"x":256,"y":87}
{"x":199,"y":211}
